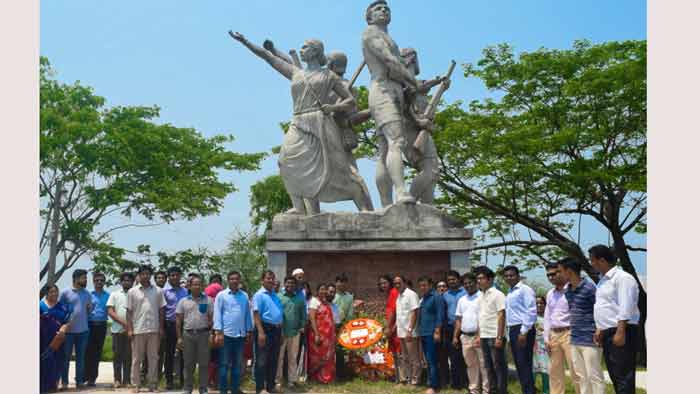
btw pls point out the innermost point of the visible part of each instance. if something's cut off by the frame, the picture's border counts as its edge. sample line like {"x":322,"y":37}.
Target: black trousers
{"x":265,"y":370}
{"x":121,"y":361}
{"x":170,"y":350}
{"x":621,"y":360}
{"x":93,"y":353}
{"x":444,"y":359}
{"x":496,"y":367}
{"x":458,"y":368}
{"x":522,"y":356}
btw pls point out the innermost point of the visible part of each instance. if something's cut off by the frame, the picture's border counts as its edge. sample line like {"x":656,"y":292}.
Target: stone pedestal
{"x":407,"y":239}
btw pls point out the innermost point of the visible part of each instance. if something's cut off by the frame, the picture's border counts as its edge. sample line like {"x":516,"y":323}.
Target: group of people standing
{"x":171,"y":327}
{"x":464,"y":324}
{"x":460,"y":328}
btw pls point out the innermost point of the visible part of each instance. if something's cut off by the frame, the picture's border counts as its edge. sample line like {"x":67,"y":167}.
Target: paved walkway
{"x":104,"y":381}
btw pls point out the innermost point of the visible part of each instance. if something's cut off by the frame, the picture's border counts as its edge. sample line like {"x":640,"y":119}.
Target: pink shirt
{"x":556,"y":313}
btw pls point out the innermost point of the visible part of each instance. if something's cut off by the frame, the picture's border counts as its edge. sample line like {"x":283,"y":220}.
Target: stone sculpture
{"x":313,"y":163}
{"x":426,"y":162}
{"x":386,"y":101}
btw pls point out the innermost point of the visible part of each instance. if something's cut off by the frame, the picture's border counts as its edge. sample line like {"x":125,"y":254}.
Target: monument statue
{"x":425,"y":161}
{"x":313,"y":162}
{"x":386,"y":101}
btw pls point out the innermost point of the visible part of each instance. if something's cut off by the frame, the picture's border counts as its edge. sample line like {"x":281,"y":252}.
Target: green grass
{"x":382,"y":387}
{"x":358,"y":385}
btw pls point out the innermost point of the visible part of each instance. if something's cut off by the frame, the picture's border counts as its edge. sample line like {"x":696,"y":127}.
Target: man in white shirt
{"x":492,"y":321}
{"x":121,"y":343}
{"x":616,"y":318}
{"x":466,"y":328}
{"x":407,"y":305}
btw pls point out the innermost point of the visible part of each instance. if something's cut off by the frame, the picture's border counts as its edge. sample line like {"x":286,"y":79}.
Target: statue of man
{"x":423,"y":185}
{"x":386,"y":101}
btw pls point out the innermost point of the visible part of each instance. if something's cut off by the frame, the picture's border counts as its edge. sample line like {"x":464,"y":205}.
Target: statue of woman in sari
{"x":313,"y":163}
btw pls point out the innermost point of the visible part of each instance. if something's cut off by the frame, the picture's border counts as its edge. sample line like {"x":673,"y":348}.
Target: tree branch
{"x":634,"y":222}
{"x":634,"y":249}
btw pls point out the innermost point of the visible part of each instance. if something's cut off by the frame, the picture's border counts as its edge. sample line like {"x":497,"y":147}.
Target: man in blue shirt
{"x":431,"y":318}
{"x":97,"y":324}
{"x":173,"y":360}
{"x":232,"y":325}
{"x":521,"y":315}
{"x":80,"y":301}
{"x":458,"y":368}
{"x":267,"y":315}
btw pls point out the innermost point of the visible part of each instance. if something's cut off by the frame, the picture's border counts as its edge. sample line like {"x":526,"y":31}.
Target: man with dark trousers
{"x":97,"y":323}
{"x":173,"y":294}
{"x":521,"y":315}
{"x":616,"y":318}
{"x":458,"y":369}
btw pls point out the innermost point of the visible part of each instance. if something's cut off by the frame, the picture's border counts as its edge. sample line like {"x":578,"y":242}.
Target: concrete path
{"x":104,"y":381}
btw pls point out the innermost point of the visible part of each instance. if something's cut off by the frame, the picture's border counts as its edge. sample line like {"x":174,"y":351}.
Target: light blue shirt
{"x":268,"y":305}
{"x":521,"y":307}
{"x":232,"y":313}
{"x":336,"y":313}
{"x":451,"y":298}
{"x":99,"y":306}
{"x":80,"y":301}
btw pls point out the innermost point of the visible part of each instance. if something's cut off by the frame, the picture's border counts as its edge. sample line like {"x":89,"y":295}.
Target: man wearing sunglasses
{"x":557,"y":331}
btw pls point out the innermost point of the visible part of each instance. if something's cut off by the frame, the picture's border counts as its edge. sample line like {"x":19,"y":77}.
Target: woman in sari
{"x":54,"y":318}
{"x":320,"y":338}
{"x":313,"y":163}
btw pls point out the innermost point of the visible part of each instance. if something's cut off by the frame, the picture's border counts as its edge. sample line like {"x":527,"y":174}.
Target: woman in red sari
{"x":394,"y":345}
{"x":320,"y":338}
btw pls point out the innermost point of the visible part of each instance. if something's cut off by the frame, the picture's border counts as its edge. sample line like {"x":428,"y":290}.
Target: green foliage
{"x":268,"y":197}
{"x":564,"y":137}
{"x":121,"y":161}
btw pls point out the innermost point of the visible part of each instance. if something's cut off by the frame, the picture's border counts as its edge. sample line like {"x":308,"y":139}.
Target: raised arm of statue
{"x":425,"y":86}
{"x":284,"y":68}
{"x":360,"y":117}
{"x":267,"y":44}
{"x":396,"y":67}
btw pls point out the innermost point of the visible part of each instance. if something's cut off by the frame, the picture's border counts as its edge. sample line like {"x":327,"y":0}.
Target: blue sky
{"x":177,"y":55}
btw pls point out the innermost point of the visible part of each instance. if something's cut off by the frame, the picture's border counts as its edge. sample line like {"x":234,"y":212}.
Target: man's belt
{"x":196,"y":330}
{"x":560,"y":329}
{"x":278,"y":325}
{"x":97,"y":322}
{"x":469,"y":334}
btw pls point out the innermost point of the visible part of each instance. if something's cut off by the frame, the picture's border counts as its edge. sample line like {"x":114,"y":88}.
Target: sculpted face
{"x":309,"y":51}
{"x":380,"y":14}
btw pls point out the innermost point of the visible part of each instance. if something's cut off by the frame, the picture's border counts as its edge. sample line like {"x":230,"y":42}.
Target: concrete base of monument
{"x":407,"y":239}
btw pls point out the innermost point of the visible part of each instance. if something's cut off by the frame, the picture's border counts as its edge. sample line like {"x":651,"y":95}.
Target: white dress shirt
{"x":406,"y":303}
{"x":490,"y":303}
{"x":521,"y":307}
{"x":468,"y":310}
{"x":616,"y":299}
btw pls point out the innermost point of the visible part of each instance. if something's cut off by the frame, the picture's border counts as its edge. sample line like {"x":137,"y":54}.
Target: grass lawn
{"x":361,"y":386}
{"x":381,"y":387}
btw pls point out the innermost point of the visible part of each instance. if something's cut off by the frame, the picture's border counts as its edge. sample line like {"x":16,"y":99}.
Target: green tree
{"x":563,"y":139}
{"x":268,"y":197}
{"x":99,"y":162}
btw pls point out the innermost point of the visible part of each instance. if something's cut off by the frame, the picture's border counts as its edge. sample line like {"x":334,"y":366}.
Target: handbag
{"x":57,"y":341}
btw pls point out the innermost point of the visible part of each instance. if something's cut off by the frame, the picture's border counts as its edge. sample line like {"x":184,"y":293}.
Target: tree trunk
{"x":620,"y":247}
{"x":55,"y":232}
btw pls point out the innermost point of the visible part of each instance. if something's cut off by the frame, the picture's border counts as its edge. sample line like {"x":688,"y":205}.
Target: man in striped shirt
{"x":557,"y":330}
{"x":585,"y":354}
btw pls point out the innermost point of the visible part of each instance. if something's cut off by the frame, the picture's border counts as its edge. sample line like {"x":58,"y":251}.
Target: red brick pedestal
{"x":410,"y":240}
